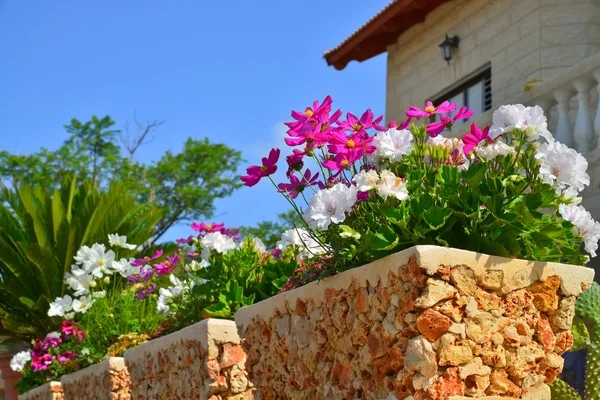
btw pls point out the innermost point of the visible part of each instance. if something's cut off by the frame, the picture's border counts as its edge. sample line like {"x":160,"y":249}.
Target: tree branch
{"x":141,"y":138}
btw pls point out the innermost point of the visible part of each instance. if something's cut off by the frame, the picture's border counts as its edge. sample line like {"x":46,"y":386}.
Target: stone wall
{"x":108,"y":379}
{"x":49,"y":391}
{"x":202,"y":361}
{"x":428,"y":322}
{"x":522,"y":39}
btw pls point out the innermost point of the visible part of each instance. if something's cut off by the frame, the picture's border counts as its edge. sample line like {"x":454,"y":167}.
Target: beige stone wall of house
{"x":522,"y":39}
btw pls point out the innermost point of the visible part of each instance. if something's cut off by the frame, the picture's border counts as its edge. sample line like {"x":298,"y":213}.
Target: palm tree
{"x":41,"y":231}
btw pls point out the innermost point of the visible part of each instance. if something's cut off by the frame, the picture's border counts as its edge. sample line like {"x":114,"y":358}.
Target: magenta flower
{"x":52,"y":342}
{"x":42,"y":363}
{"x":185,"y":241}
{"x":297,"y":186}
{"x":472,"y":140}
{"x":435,"y":128}
{"x":445,"y":108}
{"x":313,"y":135}
{"x":145,"y":292}
{"x":66,"y":356}
{"x":146,"y":260}
{"x":310,"y":114}
{"x":232,"y":233}
{"x":295,"y":161}
{"x":256,"y":173}
{"x":167,"y":266}
{"x":339,"y":142}
{"x":366,"y":121}
{"x":144,"y":276}
{"x":343,"y":160}
{"x":207,"y":228}
{"x":276,"y":253}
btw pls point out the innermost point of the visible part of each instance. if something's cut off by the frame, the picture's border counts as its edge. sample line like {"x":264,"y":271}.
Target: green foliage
{"x":270,"y":231}
{"x":238,"y":278}
{"x":40,"y":233}
{"x":562,"y":391}
{"x":184,"y":185}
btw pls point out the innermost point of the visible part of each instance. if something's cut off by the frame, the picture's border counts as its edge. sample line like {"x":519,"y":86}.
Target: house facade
{"x":543,"y":52}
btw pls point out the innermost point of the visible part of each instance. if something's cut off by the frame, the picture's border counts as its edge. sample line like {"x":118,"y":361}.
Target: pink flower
{"x":66,"y":356}
{"x":343,"y":160}
{"x":145,"y":292}
{"x":71,"y":329}
{"x":167,"y":266}
{"x":295,"y":161}
{"x":297,"y":186}
{"x":41,"y":363}
{"x":184,"y":240}
{"x":472,"y":140}
{"x":339,"y":142}
{"x":207,"y":228}
{"x":276,"y":253}
{"x":435,"y":128}
{"x":310,"y":114}
{"x":144,"y":276}
{"x":256,"y":173}
{"x":146,"y":260}
{"x":429,"y":110}
{"x":352,"y":123}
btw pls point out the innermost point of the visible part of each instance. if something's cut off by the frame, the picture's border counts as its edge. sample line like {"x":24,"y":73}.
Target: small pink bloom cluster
{"x":52,"y":348}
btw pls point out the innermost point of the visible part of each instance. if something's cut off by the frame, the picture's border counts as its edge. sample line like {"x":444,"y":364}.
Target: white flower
{"x":391,"y":185}
{"x":194,"y":265}
{"x":562,"y":166}
{"x":120,"y":241}
{"x":517,"y":116}
{"x":81,"y":284}
{"x":17,"y":363}
{"x":99,"y":261}
{"x":366,"y":180}
{"x":99,"y":294}
{"x":392,"y":144}
{"x":82,"y":304}
{"x":60,"y":306}
{"x":330,"y":205}
{"x":124,"y":267}
{"x":259,"y":245}
{"x":54,"y":335}
{"x":571,"y":195}
{"x":69,"y":316}
{"x":218,"y":242}
{"x":584,"y":225}
{"x":492,"y":150}
{"x":162,"y":304}
{"x":178,"y":287}
{"x":83,"y":255}
{"x":308,"y":247}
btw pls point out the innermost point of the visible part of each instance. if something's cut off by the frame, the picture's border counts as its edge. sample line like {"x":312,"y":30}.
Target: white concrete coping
{"x":112,"y":363}
{"x":207,"y":332}
{"x":40,"y":390}
{"x":574,"y":278}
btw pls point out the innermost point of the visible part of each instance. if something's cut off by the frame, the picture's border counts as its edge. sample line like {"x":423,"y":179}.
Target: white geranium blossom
{"x":120,"y":241}
{"x":330,"y":206}
{"x":492,"y":150}
{"x":259,"y":245}
{"x":585,"y":225}
{"x":308,"y":247}
{"x":54,"y":335}
{"x":517,"y":116}
{"x":391,"y":185}
{"x":82,"y":304}
{"x":218,"y":242}
{"x":18,"y":362}
{"x":366,"y":180}
{"x":562,"y":166}
{"x":60,"y":306}
{"x":392,"y":144}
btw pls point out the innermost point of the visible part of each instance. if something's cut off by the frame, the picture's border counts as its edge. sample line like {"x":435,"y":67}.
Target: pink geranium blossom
{"x":445,"y":108}
{"x":297,"y":185}
{"x":256,"y":172}
{"x":473,"y":139}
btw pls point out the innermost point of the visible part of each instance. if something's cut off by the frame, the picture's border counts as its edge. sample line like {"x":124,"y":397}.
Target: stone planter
{"x":107,"y":380}
{"x":49,"y":391}
{"x":202,"y":361}
{"x":427,"y":323}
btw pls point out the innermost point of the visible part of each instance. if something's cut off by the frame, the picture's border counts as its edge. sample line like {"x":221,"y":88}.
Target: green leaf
{"x":385,"y":239}
{"x":348,"y":233}
{"x":218,"y":310}
{"x":436,"y":217}
{"x":474,"y":175}
{"x":27,"y":301}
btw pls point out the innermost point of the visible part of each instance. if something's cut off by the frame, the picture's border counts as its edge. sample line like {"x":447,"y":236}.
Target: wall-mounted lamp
{"x":447,"y":47}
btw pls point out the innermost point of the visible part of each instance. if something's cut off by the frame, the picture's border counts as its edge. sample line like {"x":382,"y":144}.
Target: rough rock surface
{"x":417,"y":327}
{"x":107,"y":380}
{"x":202,"y":361}
{"x":48,"y":391}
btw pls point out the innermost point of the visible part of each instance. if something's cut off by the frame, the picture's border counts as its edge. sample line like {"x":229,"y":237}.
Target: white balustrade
{"x":584,"y":125}
{"x":597,"y":120}
{"x":563,"y":128}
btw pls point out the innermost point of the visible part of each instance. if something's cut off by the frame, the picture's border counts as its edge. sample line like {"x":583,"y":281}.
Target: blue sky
{"x":228,"y":70}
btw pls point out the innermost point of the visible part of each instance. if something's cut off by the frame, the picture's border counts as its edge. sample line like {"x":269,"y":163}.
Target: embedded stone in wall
{"x":108,"y":379}
{"x":48,"y":391}
{"x":428,"y":323}
{"x":202,"y":361}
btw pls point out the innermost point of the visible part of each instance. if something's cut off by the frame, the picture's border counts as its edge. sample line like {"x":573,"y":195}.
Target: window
{"x":474,"y":92}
